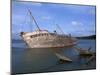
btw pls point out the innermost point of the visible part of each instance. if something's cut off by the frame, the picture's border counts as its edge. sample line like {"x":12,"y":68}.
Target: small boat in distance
{"x":63,"y":58}
{"x":45,"y":39}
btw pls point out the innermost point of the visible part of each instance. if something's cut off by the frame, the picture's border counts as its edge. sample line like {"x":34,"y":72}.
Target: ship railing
{"x":36,"y":35}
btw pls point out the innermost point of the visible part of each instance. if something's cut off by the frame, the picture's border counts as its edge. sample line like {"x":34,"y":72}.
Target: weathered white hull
{"x":50,"y":46}
{"x":47,"y":40}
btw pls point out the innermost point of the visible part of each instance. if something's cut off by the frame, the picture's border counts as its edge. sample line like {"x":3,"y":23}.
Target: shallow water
{"x":25,"y":60}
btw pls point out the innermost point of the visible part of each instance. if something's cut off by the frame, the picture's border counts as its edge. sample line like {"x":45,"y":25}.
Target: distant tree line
{"x":87,"y":37}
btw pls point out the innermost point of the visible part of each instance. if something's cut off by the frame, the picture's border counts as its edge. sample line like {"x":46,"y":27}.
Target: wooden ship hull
{"x":45,"y":39}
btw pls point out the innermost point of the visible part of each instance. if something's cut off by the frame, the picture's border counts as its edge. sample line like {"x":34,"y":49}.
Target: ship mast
{"x":59,"y":28}
{"x":34,"y":19}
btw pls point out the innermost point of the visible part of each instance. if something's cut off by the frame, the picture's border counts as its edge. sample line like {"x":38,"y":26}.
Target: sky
{"x":77,"y":20}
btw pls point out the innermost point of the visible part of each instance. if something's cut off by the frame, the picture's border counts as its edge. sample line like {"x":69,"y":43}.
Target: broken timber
{"x":84,"y":52}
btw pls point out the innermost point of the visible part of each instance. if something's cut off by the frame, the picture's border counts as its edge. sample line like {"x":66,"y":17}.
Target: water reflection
{"x":26,"y":60}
